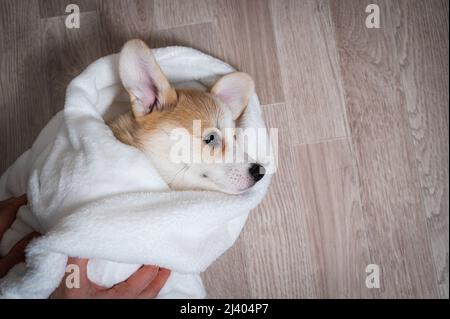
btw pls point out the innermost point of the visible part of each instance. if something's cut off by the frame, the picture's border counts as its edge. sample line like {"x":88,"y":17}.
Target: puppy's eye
{"x":211,"y":139}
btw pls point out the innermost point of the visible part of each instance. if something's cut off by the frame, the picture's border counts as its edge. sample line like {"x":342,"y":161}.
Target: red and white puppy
{"x":158,"y":110}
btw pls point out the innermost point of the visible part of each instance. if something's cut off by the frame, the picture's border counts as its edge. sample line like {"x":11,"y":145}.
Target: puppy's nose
{"x":257,"y":172}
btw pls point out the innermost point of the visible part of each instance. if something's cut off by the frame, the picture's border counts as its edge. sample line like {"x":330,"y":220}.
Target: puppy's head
{"x":166,"y":122}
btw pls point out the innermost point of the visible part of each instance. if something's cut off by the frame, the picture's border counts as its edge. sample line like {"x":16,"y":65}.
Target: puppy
{"x":158,"y":110}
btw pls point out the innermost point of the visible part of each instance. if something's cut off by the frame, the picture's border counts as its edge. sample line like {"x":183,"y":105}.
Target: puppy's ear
{"x":234,"y":90}
{"x":143,"y":79}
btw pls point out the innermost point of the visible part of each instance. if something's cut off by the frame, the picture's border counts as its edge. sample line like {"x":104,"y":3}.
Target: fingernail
{"x":164,"y":269}
{"x":152,"y":267}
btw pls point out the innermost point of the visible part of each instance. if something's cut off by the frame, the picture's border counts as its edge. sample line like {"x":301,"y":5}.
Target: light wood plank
{"x":175,"y":13}
{"x":228,"y":276}
{"x":23,"y":102}
{"x":124,"y":20}
{"x":310,"y":71}
{"x":422,"y":46}
{"x":338,"y":228}
{"x":282,"y":261}
{"x":198,"y":36}
{"x":390,"y":188}
{"x":246,"y":40}
{"x":67,"y":52}
{"x":307,"y":238}
{"x":56,"y":8}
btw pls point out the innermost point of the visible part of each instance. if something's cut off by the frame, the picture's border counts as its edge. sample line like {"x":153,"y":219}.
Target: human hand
{"x":145,"y":283}
{"x":8,"y":212}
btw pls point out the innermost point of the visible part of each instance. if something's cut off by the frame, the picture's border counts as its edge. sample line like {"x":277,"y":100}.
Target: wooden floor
{"x":363,"y":124}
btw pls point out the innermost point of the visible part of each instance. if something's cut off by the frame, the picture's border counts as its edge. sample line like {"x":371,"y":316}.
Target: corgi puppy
{"x":158,"y":109}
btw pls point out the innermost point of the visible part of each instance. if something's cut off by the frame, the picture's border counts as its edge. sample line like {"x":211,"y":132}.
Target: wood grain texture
{"x":169,"y":14}
{"x":362,"y":117}
{"x":390,"y":188}
{"x":57,"y":8}
{"x":310,"y":70}
{"x":335,"y":218}
{"x":124,"y":20}
{"x":246,"y":40}
{"x":281,"y":262}
{"x":310,"y":223}
{"x":202,"y":36}
{"x":228,"y":277}
{"x":422,"y":47}
{"x":23,"y":92}
{"x":67,"y":52}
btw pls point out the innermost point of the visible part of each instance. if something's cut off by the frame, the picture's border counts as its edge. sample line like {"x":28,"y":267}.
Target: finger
{"x":16,"y":255}
{"x":18,"y":249}
{"x":80,"y":262}
{"x":14,"y":202}
{"x":137,"y":282}
{"x":9,"y":211}
{"x":19,"y":201}
{"x":6,"y":202}
{"x":152,"y":290}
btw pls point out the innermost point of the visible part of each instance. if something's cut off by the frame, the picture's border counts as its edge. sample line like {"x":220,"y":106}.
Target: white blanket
{"x":94,"y":197}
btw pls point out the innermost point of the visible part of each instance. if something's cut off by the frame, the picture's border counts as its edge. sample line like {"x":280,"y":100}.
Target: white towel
{"x":94,"y":197}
